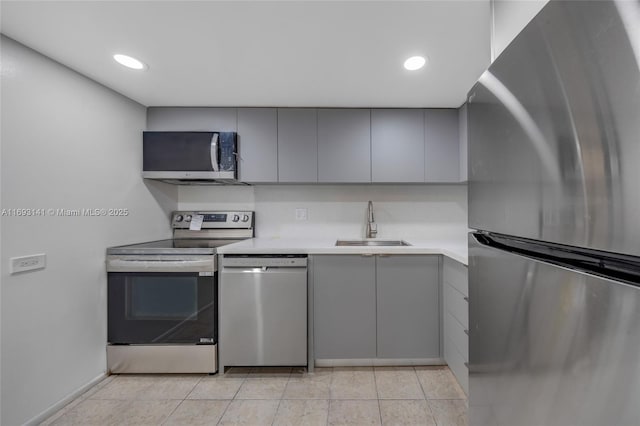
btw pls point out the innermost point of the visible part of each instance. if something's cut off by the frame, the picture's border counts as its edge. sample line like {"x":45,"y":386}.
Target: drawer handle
{"x":466,"y":364}
{"x":366,"y":255}
{"x":466,"y":332}
{"x":466,"y":299}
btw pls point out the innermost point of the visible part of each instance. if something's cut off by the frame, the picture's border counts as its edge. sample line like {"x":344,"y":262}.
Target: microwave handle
{"x":214,"y":153}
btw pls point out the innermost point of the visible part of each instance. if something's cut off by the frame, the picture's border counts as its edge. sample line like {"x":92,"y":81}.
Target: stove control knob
{"x":178,"y":218}
{"x":187,"y":218}
{"x":236,"y":218}
{"x":245,"y":218}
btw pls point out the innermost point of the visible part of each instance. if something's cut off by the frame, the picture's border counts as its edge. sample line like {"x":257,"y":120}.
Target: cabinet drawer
{"x":455,"y":332}
{"x":456,"y":304}
{"x":456,"y":274}
{"x":457,"y":365}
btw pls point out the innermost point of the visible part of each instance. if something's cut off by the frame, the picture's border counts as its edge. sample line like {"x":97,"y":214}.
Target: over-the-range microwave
{"x":190,"y":157}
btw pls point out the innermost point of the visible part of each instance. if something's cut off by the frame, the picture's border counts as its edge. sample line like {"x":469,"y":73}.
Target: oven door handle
{"x":161,"y":265}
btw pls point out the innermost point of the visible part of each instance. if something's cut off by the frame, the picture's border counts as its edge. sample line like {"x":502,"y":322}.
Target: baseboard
{"x":378,"y":362}
{"x":64,"y":401}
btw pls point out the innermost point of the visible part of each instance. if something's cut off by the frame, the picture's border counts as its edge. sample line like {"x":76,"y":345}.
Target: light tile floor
{"x":275,"y":396}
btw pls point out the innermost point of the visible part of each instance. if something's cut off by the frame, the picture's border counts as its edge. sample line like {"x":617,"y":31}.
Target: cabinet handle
{"x":466,"y":332}
{"x":466,"y":299}
{"x":466,"y":364}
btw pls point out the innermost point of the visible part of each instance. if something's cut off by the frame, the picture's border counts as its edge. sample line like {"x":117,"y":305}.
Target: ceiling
{"x":263,"y":53}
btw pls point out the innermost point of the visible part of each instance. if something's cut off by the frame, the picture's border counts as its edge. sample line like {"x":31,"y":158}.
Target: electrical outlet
{"x":28,"y":263}
{"x":301,"y":214}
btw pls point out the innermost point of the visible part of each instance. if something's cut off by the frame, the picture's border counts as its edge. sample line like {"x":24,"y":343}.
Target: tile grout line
{"x":183,"y":400}
{"x":232,"y":398}
{"x":281,"y":396}
{"x":333,"y":371}
{"x":375,"y":383}
{"x":171,"y":413}
{"x":194,"y":387}
{"x":435,"y":420}
{"x":420,"y":382}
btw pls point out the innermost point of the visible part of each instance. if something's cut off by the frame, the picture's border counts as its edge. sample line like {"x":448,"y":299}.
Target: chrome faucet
{"x":372,"y":228}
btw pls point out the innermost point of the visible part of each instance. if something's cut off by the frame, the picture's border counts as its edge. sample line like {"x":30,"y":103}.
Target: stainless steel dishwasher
{"x":263,"y":310}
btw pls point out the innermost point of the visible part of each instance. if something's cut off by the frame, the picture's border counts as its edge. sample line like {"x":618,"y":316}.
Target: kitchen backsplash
{"x":340,"y":211}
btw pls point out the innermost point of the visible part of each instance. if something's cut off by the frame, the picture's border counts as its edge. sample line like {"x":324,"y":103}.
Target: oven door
{"x":162,"y":300}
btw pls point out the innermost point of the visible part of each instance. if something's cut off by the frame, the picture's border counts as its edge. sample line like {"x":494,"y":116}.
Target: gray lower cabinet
{"x":456,"y":319}
{"x":408,"y":306}
{"x":441,"y":145}
{"x":385,"y":307}
{"x":344,"y":299}
{"x":344,"y":145}
{"x":297,"y":145}
{"x":397,"y":145}
{"x":258,"y":144}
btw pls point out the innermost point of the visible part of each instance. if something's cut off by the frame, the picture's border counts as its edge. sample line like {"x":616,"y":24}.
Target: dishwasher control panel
{"x":268,"y":261}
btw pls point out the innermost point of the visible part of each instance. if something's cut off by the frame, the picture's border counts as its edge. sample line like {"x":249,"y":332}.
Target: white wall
{"x":67,"y":142}
{"x":339,"y":211}
{"x":509,"y":18}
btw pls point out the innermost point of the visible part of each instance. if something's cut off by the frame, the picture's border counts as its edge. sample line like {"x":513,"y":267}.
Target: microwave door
{"x":177,"y":151}
{"x":179,"y":157}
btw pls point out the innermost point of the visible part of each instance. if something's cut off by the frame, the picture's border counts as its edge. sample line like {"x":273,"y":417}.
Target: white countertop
{"x":449,"y":248}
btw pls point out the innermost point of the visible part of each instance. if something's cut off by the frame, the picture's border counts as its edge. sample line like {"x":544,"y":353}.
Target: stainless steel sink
{"x":373,"y":243}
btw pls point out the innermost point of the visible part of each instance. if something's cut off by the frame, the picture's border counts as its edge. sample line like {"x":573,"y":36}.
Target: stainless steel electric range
{"x":163,"y":295}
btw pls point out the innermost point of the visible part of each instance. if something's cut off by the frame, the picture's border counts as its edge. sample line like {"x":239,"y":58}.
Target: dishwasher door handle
{"x":263,"y":269}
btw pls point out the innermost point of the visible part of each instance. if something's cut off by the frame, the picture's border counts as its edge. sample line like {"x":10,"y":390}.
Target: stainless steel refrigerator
{"x":554,"y":194}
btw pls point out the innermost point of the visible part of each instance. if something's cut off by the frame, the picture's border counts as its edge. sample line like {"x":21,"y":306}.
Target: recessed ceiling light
{"x":129,"y":62}
{"x":415,"y":63}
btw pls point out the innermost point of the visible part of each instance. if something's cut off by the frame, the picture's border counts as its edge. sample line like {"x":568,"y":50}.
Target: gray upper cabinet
{"x":258,"y":144}
{"x":334,"y":145}
{"x":462,"y":124}
{"x":441,"y":145}
{"x":344,"y":307}
{"x":176,"y":119}
{"x":408,"y":307}
{"x":397,"y":145}
{"x":297,"y":145}
{"x":344,"y":145}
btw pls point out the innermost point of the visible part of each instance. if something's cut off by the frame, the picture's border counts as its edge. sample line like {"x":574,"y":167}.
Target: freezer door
{"x":548,"y":345}
{"x":553,"y":130}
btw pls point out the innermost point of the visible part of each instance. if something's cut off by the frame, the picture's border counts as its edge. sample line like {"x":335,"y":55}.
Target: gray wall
{"x":70,"y":143}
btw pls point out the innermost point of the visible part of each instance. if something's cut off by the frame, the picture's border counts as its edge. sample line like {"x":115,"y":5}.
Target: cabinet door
{"x":258,"y":144}
{"x":344,"y":307}
{"x":397,"y":145}
{"x":176,"y":119}
{"x":462,"y":126}
{"x":297,"y":145}
{"x":344,"y":145}
{"x":441,"y":145}
{"x":408,"y":303}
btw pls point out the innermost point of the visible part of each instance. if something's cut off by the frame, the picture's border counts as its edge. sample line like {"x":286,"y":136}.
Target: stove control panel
{"x":213,"y":219}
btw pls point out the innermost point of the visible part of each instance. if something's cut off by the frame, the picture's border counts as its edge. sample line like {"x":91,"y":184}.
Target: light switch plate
{"x":27,"y":263}
{"x":301,"y":214}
